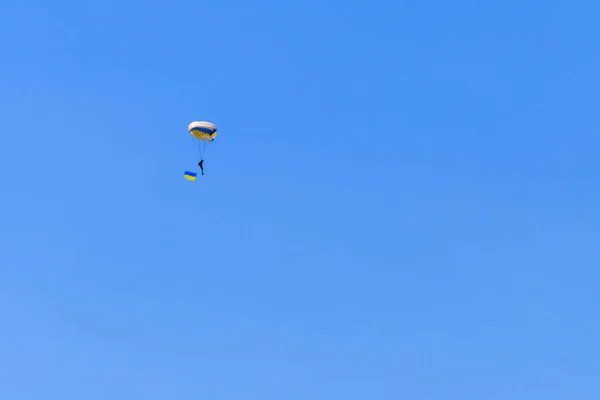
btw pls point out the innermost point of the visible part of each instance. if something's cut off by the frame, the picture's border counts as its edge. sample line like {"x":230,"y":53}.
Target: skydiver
{"x":200,"y":164}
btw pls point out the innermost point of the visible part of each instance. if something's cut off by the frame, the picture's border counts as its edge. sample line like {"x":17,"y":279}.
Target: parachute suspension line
{"x":201,"y":150}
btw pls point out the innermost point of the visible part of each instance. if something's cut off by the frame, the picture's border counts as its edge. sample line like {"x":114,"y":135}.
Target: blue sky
{"x":402,"y":201}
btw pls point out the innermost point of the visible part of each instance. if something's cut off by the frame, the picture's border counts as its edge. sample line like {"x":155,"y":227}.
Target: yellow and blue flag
{"x":191,"y":176}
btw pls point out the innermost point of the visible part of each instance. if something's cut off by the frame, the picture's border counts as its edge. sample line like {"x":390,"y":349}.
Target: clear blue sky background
{"x":402,"y":201}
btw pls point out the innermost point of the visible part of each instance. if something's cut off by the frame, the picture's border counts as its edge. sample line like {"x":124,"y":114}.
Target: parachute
{"x":202,"y":130}
{"x":205,"y":132}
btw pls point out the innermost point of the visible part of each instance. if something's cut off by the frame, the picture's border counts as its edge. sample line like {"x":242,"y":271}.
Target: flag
{"x":190,"y":176}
